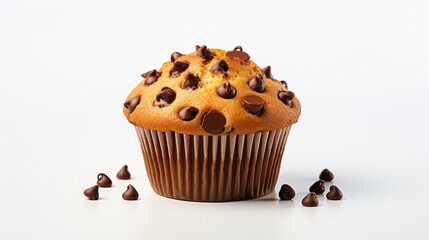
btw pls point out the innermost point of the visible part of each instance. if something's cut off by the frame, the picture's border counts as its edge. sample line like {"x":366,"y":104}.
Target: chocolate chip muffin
{"x":212,"y":125}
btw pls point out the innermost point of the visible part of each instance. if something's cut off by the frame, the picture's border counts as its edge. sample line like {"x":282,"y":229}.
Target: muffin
{"x":212,"y":125}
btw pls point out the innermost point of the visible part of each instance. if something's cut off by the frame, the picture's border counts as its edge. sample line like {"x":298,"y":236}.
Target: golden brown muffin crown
{"x":211,"y":91}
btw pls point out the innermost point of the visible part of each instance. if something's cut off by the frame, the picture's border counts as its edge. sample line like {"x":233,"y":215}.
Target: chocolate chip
{"x":220,"y":67}
{"x":103,"y":180}
{"x":204,"y":53}
{"x":167,"y":94}
{"x":130,"y":194}
{"x":334,"y":193}
{"x":191,"y":81}
{"x":318,"y":187}
{"x":91,"y":193}
{"x":286,"y":192}
{"x":132,"y":103}
{"x":284,"y":84}
{"x":174,"y":56}
{"x":310,"y":200}
{"x":123,"y":173}
{"x":286,"y":97}
{"x":326,"y":175}
{"x":267,"y":71}
{"x":239,"y":48}
{"x":188,"y":113}
{"x":253,"y":104}
{"x":178,"y":67}
{"x":238,"y":54}
{"x":257,"y":83}
{"x":226,"y":90}
{"x":151,"y":77}
{"x":214,"y":122}
{"x":197,"y":47}
{"x":144,"y":75}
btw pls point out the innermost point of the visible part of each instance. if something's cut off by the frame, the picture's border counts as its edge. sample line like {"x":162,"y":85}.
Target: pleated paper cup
{"x":212,"y":168}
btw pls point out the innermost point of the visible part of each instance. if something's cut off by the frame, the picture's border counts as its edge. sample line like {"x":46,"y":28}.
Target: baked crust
{"x":163,"y":116}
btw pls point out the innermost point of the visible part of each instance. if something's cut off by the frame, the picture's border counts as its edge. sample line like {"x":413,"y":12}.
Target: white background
{"x":359,"y":68}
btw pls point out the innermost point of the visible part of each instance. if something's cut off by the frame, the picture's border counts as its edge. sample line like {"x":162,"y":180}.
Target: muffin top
{"x":211,"y":92}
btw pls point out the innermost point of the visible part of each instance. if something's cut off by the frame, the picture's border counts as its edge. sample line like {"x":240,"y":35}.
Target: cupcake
{"x":212,"y":125}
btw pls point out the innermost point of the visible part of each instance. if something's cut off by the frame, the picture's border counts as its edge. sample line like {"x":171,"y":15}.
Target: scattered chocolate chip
{"x":318,"y":187}
{"x":257,"y":83}
{"x":253,"y":104}
{"x":91,"y":193}
{"x":326,"y":175}
{"x":238,"y":54}
{"x":151,"y":77}
{"x":188,"y":113}
{"x":284,"y":84}
{"x":334,"y":193}
{"x":214,"y":122}
{"x":103,"y":180}
{"x":205,"y":53}
{"x":220,"y":67}
{"x":239,"y":48}
{"x":286,"y":192}
{"x":132,"y":103}
{"x":130,"y":194}
{"x":167,"y":94}
{"x":123,"y":173}
{"x":267,"y":71}
{"x":178,"y":67}
{"x":286,"y":97}
{"x":197,"y":47}
{"x":191,"y":82}
{"x":174,"y":56}
{"x":226,"y":90}
{"x":310,"y":200}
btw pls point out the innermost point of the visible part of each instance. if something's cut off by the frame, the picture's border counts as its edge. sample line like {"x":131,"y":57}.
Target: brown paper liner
{"x":212,"y":168}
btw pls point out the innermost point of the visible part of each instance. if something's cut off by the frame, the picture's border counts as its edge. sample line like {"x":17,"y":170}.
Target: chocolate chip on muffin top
{"x":210,"y":92}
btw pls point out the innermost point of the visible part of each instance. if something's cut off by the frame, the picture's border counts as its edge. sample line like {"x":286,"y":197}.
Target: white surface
{"x":360,"y":69}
